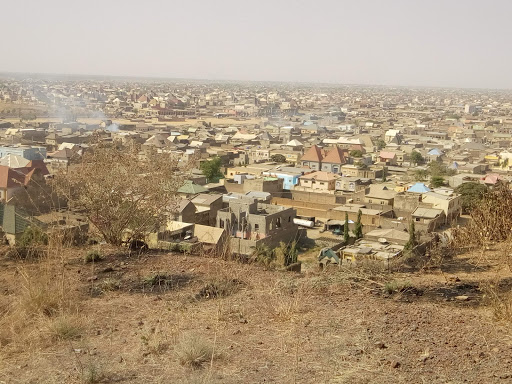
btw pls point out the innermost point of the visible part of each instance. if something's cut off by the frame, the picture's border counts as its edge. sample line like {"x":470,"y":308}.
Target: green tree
{"x":437,"y":168}
{"x":381,"y":144}
{"x":420,"y":175}
{"x":212,"y":169}
{"x":471,"y":194}
{"x":346,"y":235}
{"x":278,"y":158}
{"x":417,"y":158}
{"x":437,"y":181}
{"x":358,"y":231}
{"x":356,"y":153}
{"x":412,"y":242}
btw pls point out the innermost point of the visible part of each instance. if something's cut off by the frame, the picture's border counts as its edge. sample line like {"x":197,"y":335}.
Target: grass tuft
{"x":193,"y":351}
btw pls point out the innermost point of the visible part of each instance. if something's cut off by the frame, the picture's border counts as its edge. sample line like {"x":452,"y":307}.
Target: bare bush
{"x":122,"y":193}
{"x":491,"y":220}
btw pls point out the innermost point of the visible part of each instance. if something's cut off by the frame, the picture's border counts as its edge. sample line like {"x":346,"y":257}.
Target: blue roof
{"x":455,"y":165}
{"x":435,"y":152}
{"x":419,"y":188}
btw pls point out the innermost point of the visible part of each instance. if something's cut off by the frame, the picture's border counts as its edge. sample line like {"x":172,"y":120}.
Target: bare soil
{"x":264,"y":326}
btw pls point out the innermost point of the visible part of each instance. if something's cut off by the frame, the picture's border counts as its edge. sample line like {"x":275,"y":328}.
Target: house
{"x":189,"y":188}
{"x":208,"y":205}
{"x":186,"y":211}
{"x":215,"y":240}
{"x":60,"y":159}
{"x":317,"y":182}
{"x":251,"y":223}
{"x":312,"y":158}
{"x":446,"y":200}
{"x":351,"y":184}
{"x":14,"y":221}
{"x":365,"y":249}
{"x":380,"y":194}
{"x":388,"y":158}
{"x":25,"y":151}
{"x":428,"y":219}
{"x":393,"y":136}
{"x":333,"y":161}
{"x":13,"y":180}
{"x":362,"y":172}
{"x":434,"y":155}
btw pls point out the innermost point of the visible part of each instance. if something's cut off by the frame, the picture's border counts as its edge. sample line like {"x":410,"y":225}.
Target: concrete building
{"x":251,"y":223}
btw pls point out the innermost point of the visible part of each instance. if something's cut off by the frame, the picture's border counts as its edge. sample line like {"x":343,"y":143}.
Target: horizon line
{"x":238,"y":81}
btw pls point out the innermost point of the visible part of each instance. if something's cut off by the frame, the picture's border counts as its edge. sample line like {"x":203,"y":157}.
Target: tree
{"x":122,"y":195}
{"x":412,"y":242}
{"x":381,"y":144}
{"x":212,"y":169}
{"x":437,"y":181}
{"x":417,"y":158}
{"x":278,"y":158}
{"x":384,"y":174}
{"x":356,"y":153}
{"x":471,"y":194}
{"x":358,"y":230}
{"x":437,"y":168}
{"x":420,"y":175}
{"x":346,"y":235}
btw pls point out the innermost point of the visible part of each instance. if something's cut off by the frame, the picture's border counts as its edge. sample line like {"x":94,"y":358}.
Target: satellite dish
{"x":382,"y":240}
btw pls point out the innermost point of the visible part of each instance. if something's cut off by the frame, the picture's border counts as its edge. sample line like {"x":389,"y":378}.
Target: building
{"x":251,"y":223}
{"x":317,"y":182}
{"x":25,"y":151}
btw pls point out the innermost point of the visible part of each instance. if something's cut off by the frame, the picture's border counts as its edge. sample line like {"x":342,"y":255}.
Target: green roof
{"x":15,"y":220}
{"x":191,"y":188}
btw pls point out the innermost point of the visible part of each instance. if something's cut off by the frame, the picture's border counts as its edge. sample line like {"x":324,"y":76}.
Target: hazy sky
{"x":454,"y":43}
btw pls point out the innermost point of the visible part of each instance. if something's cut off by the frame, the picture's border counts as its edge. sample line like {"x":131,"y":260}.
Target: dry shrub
{"x":44,"y":296}
{"x":288,"y":300}
{"x":193,"y":351}
{"x":500,"y":301}
{"x":41,"y":294}
{"x":220,"y":288}
{"x":491,"y":220}
{"x":65,"y":327}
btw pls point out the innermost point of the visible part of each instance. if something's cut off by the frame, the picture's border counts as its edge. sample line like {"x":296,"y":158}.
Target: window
{"x":256,"y":227}
{"x":289,"y":219}
{"x":221,"y":223}
{"x":278,"y":222}
{"x":417,"y":219}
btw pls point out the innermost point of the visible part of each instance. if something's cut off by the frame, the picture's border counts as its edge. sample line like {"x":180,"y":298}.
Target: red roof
{"x":11,"y":178}
{"x":313,"y":154}
{"x":39,"y":164}
{"x":387,"y":155}
{"x":335,"y":156}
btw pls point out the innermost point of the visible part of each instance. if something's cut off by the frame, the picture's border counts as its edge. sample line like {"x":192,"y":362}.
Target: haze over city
{"x":411,"y":43}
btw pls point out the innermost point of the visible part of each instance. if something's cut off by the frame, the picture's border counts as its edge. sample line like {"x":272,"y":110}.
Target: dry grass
{"x":193,"y":350}
{"x":275,"y":327}
{"x":65,"y":327}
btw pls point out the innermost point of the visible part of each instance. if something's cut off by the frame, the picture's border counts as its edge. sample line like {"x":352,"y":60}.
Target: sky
{"x":438,"y":43}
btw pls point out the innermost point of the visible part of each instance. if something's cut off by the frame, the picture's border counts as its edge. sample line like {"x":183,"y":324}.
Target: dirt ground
{"x":126,"y":319}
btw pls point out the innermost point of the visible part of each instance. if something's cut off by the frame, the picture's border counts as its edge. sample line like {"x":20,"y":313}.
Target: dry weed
{"x":65,"y":327}
{"x":193,"y":351}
